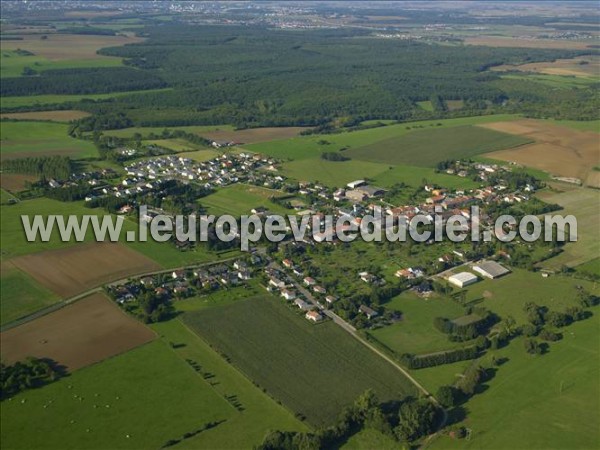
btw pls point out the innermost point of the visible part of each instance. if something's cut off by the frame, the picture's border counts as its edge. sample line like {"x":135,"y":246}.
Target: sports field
{"x":240,"y":199}
{"x":23,"y":139}
{"x":315,"y":370}
{"x":77,"y":335}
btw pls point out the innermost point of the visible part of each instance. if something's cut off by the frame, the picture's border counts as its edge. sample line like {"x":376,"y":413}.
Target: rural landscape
{"x":134,"y":110}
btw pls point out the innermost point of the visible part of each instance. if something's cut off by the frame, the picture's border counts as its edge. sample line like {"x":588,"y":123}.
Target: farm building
{"x":370,"y":191}
{"x":355,"y":184}
{"x":370,"y":313}
{"x":490,"y":269}
{"x":462,"y":279}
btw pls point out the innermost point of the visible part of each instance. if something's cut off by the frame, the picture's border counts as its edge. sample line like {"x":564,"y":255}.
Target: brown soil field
{"x":558,"y":150}
{"x":55,"y":116}
{"x":80,"y":334}
{"x":14,"y":182}
{"x":559,"y":67}
{"x":73,"y":270}
{"x":68,"y":46}
{"x":254,"y":135}
{"x":495,"y":41}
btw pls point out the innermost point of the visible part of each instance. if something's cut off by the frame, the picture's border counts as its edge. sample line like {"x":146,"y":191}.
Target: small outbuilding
{"x":462,"y":279}
{"x":490,"y":269}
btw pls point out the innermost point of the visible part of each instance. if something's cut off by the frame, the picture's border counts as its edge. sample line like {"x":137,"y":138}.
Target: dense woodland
{"x":252,"y":76}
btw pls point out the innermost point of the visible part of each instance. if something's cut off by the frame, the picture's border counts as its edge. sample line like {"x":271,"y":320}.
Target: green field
{"x":41,"y":138}
{"x":239,"y":199}
{"x":177,"y":145}
{"x":591,"y":267}
{"x":303,"y":147}
{"x":415,"y":333}
{"x":426,"y":105}
{"x":5,"y":197}
{"x":13,"y":64}
{"x":332,"y":174}
{"x":315,"y":370}
{"x":21,"y":294}
{"x":51,"y":99}
{"x":555,"y":81}
{"x":153,"y":382}
{"x":428,"y":147}
{"x":415,"y":176}
{"x":145,"y":131}
{"x":200,"y":155}
{"x":539,"y":402}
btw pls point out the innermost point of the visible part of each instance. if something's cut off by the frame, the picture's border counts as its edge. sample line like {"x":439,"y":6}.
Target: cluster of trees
{"x":334,"y":156}
{"x":436,"y":359}
{"x":407,"y":422}
{"x":46,"y":167}
{"x":22,"y":375}
{"x":464,"y":332}
{"x":154,"y":308}
{"x":450,"y":396}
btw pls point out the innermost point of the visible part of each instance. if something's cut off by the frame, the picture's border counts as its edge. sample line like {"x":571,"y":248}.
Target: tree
{"x":447,"y":396}
{"x":532,"y":347}
{"x":417,"y":419}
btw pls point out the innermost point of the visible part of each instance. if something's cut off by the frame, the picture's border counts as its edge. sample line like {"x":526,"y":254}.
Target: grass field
{"x":22,"y":139}
{"x":415,"y":333}
{"x":21,"y":295}
{"x":591,"y":267}
{"x":414,"y":176}
{"x":555,"y":81}
{"x":304,"y":147}
{"x":65,"y":115}
{"x":177,"y":145}
{"x":428,"y":147}
{"x":239,"y":199}
{"x":584,"y":204}
{"x":149,"y":382}
{"x":313,"y":369}
{"x":332,"y":173}
{"x":51,"y":99}
{"x":200,"y":155}
{"x":542,"y":402}
{"x":145,"y":131}
{"x":5,"y":196}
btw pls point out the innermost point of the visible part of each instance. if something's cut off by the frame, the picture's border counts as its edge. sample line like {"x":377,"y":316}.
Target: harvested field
{"x":575,"y":67}
{"x":59,"y":47}
{"x":559,"y":150}
{"x":254,"y":135}
{"x":15,"y":182}
{"x":517,"y":42}
{"x":77,"y":335}
{"x":75,"y":269}
{"x":66,"y":115}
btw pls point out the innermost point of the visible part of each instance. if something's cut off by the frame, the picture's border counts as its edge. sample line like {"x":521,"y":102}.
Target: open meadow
{"x":64,"y":115}
{"x":76,"y":335}
{"x":240,"y":199}
{"x":315,"y":370}
{"x":28,"y":139}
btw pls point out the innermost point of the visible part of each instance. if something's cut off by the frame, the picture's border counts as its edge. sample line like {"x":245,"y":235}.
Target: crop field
{"x":65,"y":115}
{"x":582,"y":66}
{"x":239,"y":199}
{"x":529,"y":392}
{"x":100,"y":406}
{"x":331,"y":173}
{"x":145,"y":131}
{"x":254,"y":135}
{"x":21,"y":294}
{"x":521,"y":42}
{"x":73,"y":270}
{"x":559,"y":150}
{"x":23,"y":139}
{"x":554,"y":81}
{"x":415,"y":333}
{"x":315,"y":370}
{"x":51,"y":99}
{"x":584,"y":204}
{"x":77,"y":335}
{"x":427,"y":148}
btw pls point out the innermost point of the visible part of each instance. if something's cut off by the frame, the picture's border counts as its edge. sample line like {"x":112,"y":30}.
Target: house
{"x":287,"y":263}
{"x":301,"y":304}
{"x":330,"y":299}
{"x":436,"y":199}
{"x":367,"y":277}
{"x":356,"y":183}
{"x":178,"y":275}
{"x":240,"y":265}
{"x":314,"y":316}
{"x":404,"y":273}
{"x":296,"y":271}
{"x":319,"y":290}
{"x":490,"y":269}
{"x":147,"y":281}
{"x":370,"y":313}
{"x":244,"y":274}
{"x":462,"y":279}
{"x":308,"y":281}
{"x":288,"y":295}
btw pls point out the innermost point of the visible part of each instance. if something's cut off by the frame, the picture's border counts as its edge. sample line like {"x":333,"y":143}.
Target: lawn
{"x":20,"y":139}
{"x":428,"y":147}
{"x":304,"y":147}
{"x":415,"y":333}
{"x":539,"y":402}
{"x":101,"y":406}
{"x":332,"y":174}
{"x":315,"y":370}
{"x":239,"y":199}
{"x":21,"y":295}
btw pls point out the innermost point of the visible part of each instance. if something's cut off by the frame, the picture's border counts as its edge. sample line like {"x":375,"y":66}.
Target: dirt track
{"x":77,"y":335}
{"x":76,"y":269}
